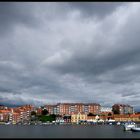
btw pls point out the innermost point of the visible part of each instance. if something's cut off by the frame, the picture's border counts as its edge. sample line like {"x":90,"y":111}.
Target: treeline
{"x":44,"y":117}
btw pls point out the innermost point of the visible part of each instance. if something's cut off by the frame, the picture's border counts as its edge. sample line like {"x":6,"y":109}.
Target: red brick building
{"x":4,"y":115}
{"x":69,"y":108}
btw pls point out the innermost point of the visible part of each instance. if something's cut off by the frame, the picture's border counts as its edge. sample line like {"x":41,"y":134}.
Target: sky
{"x":54,"y":52}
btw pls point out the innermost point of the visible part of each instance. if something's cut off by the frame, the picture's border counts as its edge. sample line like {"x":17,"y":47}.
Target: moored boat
{"x":129,"y":125}
{"x":7,"y":123}
{"x":118,"y":123}
{"x":136,"y":129}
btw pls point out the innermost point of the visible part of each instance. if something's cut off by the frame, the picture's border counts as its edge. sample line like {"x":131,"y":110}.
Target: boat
{"x":7,"y":123}
{"x":111,"y":121}
{"x":129,"y":126}
{"x":135,"y":129}
{"x":118,"y":123}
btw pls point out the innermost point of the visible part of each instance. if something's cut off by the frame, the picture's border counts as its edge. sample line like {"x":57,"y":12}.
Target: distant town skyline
{"x":70,"y":52}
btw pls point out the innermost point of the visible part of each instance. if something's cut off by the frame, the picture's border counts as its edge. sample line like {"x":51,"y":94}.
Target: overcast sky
{"x":70,"y":52}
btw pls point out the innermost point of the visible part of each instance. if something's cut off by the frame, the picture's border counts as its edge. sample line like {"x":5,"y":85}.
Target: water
{"x":65,"y":131}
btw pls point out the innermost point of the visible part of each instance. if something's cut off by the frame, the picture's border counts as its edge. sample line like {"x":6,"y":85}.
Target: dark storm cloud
{"x":13,"y":14}
{"x":27,"y":14}
{"x":89,"y":9}
{"x":91,"y":62}
{"x":93,"y":65}
{"x":69,"y":52}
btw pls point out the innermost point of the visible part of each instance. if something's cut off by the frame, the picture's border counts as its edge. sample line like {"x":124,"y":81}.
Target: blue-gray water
{"x":65,"y":131}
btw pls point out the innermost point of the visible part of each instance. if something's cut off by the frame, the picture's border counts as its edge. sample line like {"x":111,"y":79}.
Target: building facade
{"x":77,"y":117}
{"x":70,"y":108}
{"x":122,"y":109}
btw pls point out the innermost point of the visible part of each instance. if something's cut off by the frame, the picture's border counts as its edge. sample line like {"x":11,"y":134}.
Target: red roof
{"x":5,"y":111}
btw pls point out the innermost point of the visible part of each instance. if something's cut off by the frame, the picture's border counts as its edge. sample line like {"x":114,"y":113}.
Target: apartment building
{"x":106,"y":110}
{"x":14,"y":118}
{"x":69,"y":108}
{"x":122,"y":109}
{"x":4,"y":115}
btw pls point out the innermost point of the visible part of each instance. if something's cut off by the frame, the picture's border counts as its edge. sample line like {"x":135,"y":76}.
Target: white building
{"x":106,"y":109}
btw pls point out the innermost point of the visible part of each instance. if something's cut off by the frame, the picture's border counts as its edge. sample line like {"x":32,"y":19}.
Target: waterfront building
{"x":122,"y":109}
{"x":52,"y":109}
{"x":86,"y":108}
{"x":91,"y":118}
{"x":1,"y":117}
{"x":106,"y":109}
{"x":126,"y":117}
{"x":38,"y":111}
{"x":59,"y":120}
{"x":135,"y":117}
{"x":121,"y":117}
{"x":67,"y":118}
{"x":27,"y":107}
{"x":94,"y":108}
{"x":3,"y":107}
{"x":79,"y":107}
{"x":64,"y":108}
{"x":14,"y":118}
{"x":25,"y":113}
{"x":4,"y":115}
{"x":70,"y":108}
{"x":128,"y":109}
{"x":77,"y":117}
{"x":63,"y":119}
{"x":15,"y":115}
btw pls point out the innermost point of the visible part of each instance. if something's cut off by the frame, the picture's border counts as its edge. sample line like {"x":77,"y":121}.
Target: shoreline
{"x":105,"y":123}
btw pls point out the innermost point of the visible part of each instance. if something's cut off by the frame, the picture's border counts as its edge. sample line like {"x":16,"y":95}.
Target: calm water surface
{"x":65,"y":131}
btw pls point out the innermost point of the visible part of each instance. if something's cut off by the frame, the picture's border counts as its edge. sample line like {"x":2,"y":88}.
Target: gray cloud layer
{"x":69,"y":52}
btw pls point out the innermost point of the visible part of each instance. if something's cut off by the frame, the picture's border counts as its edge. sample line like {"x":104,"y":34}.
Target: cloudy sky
{"x":70,"y":52}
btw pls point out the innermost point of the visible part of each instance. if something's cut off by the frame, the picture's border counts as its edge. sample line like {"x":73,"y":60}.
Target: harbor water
{"x":66,"y":131}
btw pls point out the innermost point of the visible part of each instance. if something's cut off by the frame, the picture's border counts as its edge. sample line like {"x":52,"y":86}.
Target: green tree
{"x":109,"y":114}
{"x":33,"y":113}
{"x":53,"y":116}
{"x":116,"y":111}
{"x":44,"y":118}
{"x":44,"y":112}
{"x":91,"y":114}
